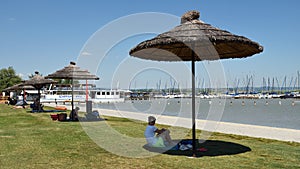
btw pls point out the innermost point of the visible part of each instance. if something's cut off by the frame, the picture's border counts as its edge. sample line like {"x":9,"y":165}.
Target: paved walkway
{"x":221,"y":127}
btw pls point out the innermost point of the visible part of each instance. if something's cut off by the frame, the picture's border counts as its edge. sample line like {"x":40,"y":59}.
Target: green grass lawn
{"x":33,"y":140}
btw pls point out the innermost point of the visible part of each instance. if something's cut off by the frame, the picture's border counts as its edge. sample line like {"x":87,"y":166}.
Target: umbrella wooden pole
{"x":72,"y":102}
{"x":23,"y":96}
{"x":86,"y":91}
{"x":39,"y":100}
{"x":193,"y":105}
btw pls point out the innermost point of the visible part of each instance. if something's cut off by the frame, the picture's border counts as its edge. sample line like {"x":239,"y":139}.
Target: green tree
{"x":8,"y":78}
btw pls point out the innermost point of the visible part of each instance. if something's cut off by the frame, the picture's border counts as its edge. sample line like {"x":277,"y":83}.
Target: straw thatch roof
{"x":72,"y":72}
{"x":195,"y":36}
{"x":19,"y":86}
{"x":38,"y":81}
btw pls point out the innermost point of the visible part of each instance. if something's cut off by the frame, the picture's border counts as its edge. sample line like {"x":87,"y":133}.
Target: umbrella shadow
{"x":210,"y":148}
{"x":83,"y":119}
{"x":46,"y":111}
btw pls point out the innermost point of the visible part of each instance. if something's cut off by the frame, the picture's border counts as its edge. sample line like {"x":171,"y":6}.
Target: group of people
{"x":11,"y":101}
{"x":37,"y":106}
{"x":17,"y":103}
{"x":94,"y":115}
{"x":155,"y":137}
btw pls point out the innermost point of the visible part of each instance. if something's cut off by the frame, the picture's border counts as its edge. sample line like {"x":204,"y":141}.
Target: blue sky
{"x":45,"y":35}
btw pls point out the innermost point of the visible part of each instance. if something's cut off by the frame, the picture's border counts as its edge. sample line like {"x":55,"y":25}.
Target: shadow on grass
{"x":47,"y":111}
{"x":213,"y":148}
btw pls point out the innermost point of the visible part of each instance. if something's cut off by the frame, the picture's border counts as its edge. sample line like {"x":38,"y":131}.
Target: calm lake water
{"x":283,"y":113}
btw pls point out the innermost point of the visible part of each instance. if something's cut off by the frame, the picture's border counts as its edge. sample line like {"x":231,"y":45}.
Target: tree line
{"x":8,"y":78}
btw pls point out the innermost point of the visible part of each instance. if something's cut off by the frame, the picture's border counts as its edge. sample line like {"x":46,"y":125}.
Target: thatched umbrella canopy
{"x":194,"y":40}
{"x":19,"y":86}
{"x":193,"y":35}
{"x":72,"y":72}
{"x":38,"y":82}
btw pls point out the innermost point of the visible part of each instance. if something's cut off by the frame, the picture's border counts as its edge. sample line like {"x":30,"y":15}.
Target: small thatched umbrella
{"x":19,"y":86}
{"x":72,"y":72}
{"x":38,"y":82}
{"x":194,"y":40}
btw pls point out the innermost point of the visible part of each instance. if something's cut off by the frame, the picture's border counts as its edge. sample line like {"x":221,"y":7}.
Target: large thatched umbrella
{"x":72,"y":72}
{"x":38,"y":82}
{"x":194,"y":40}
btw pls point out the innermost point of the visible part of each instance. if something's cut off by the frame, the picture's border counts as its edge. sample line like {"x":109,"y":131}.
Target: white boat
{"x":107,"y":96}
{"x":63,"y":93}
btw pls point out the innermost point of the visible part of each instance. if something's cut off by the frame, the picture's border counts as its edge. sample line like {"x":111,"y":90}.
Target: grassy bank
{"x":33,"y":140}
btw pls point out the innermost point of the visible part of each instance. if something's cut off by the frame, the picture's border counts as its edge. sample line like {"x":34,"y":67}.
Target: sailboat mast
{"x":273,"y":81}
{"x":298,"y":79}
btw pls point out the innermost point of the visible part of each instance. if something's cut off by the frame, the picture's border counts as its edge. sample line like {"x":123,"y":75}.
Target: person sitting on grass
{"x":11,"y":101}
{"x":74,"y":114}
{"x":157,"y":137}
{"x":94,"y":115}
